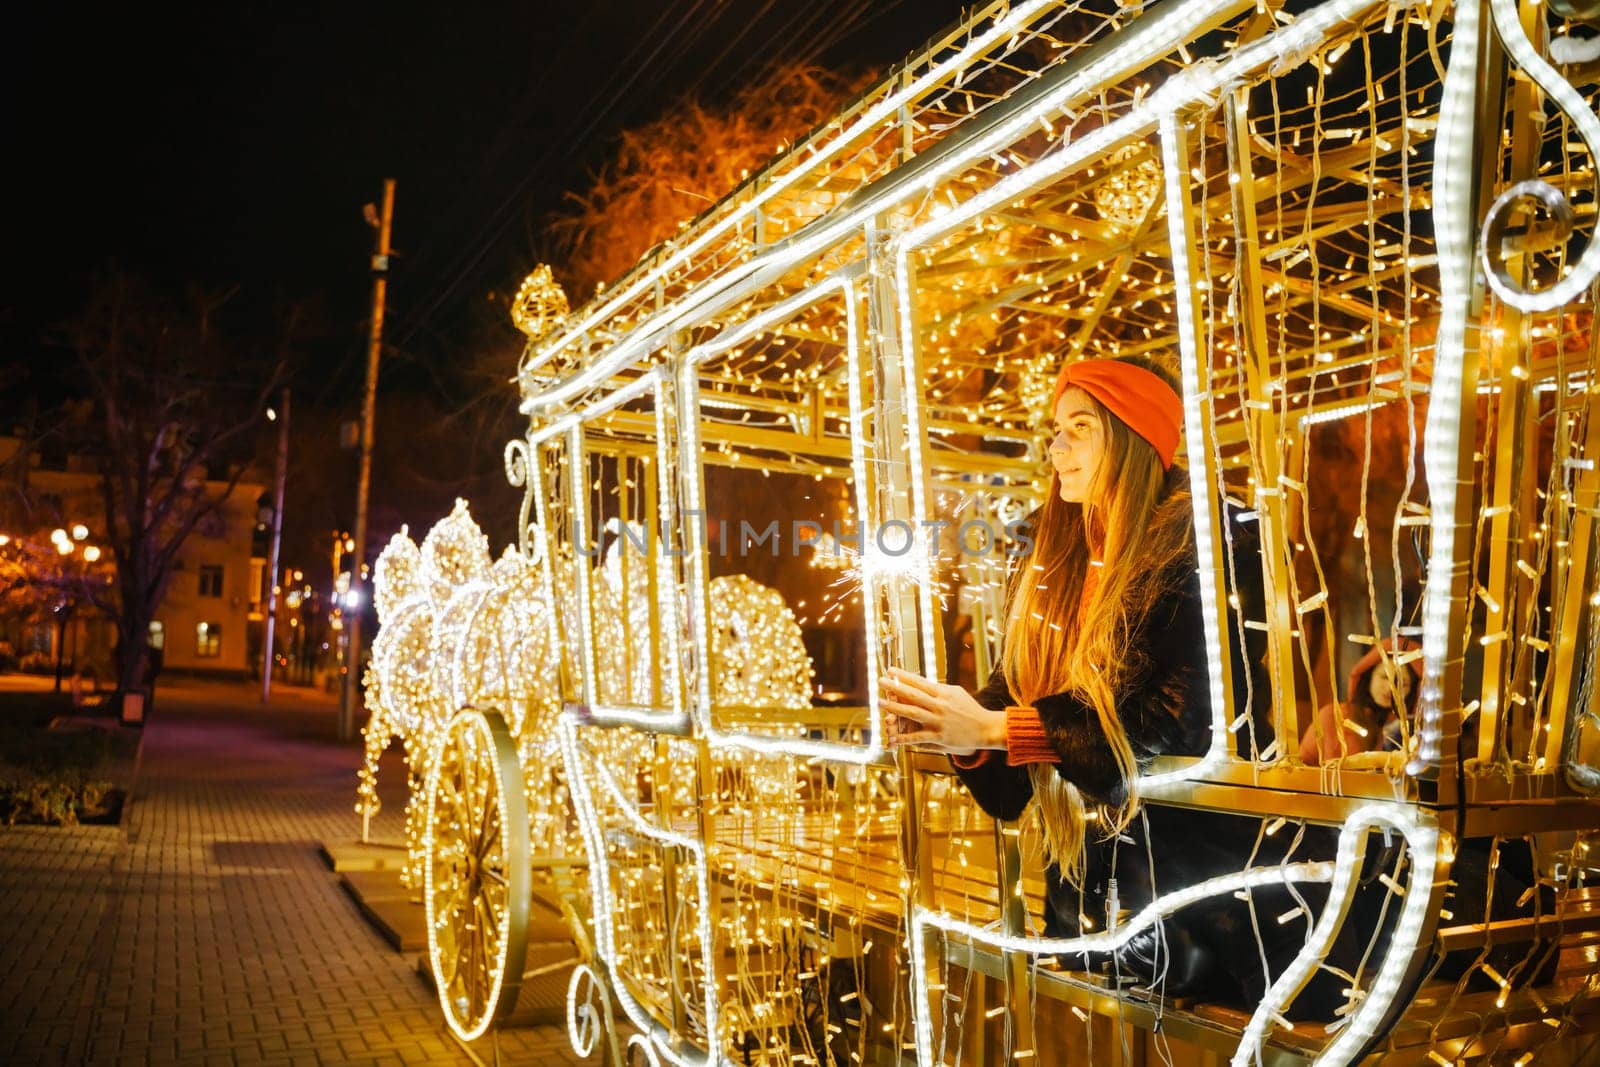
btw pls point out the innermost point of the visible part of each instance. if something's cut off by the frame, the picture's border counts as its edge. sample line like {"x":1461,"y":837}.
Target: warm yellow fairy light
{"x":540,"y":304}
{"x":1127,"y":196}
{"x":800,"y":309}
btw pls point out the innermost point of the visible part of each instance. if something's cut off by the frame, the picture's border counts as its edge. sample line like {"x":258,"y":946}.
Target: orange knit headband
{"x":1136,"y":396}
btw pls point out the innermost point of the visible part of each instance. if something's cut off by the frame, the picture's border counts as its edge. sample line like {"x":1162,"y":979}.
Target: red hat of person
{"x":1138,"y":397}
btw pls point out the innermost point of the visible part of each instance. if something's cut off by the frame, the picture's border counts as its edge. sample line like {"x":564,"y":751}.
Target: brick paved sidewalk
{"x":207,"y":929}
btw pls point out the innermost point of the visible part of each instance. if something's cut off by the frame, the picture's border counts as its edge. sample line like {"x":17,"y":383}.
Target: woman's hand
{"x":1339,"y":732}
{"x":923,"y":712}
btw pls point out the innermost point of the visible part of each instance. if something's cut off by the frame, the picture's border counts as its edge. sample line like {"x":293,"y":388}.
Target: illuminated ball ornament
{"x":760,"y":658}
{"x":539,"y":304}
{"x":1126,"y":195}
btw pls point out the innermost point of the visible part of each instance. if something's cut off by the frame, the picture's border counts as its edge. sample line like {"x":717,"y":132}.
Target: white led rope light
{"x":1453,"y":167}
{"x":1363,"y":1022}
{"x":600,"y":886}
{"x":1182,"y":90}
{"x":1194,"y":85}
{"x":1508,"y":26}
{"x":633,"y":390}
{"x":582,"y":1043}
{"x":689,"y":399}
{"x":637,"y":817}
{"x":1341,"y":873}
{"x":912,"y":390}
{"x":651,"y":382}
{"x":843,"y":284}
{"x":546,"y":563}
{"x":1194,"y":427}
{"x":578,"y":485}
{"x":1160,"y":908}
{"x":644,"y":718}
{"x":667,"y":601}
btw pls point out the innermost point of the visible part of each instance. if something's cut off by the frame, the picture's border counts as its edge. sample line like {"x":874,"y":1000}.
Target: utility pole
{"x":277,"y":542}
{"x":355,"y":600}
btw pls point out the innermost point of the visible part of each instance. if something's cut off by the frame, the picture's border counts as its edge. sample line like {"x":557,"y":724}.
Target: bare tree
{"x":672,"y":169}
{"x":176,"y":406}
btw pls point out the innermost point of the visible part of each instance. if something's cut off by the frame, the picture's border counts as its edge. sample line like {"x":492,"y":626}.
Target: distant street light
{"x":91,"y":553}
{"x":80,"y":532}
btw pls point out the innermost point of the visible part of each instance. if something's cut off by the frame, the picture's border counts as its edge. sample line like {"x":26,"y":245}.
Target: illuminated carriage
{"x":821,"y":396}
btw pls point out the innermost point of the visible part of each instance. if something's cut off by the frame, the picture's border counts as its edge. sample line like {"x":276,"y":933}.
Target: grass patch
{"x":58,"y":766}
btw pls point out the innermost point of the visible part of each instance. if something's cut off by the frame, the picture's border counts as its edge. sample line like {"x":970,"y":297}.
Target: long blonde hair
{"x":1062,"y":637}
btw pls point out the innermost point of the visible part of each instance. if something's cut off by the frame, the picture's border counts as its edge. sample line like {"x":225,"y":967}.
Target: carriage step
{"x":364,"y":856}
{"x":392,"y":909}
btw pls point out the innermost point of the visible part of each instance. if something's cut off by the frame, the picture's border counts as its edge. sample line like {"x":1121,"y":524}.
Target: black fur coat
{"x":1165,"y":704}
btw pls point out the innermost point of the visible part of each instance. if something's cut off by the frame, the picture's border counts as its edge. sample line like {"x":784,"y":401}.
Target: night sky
{"x":236,"y":143}
{"x":233,"y":145}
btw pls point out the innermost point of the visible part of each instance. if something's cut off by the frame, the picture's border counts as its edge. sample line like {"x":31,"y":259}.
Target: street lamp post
{"x":277,"y":544}
{"x":350,"y":695}
{"x":63,"y":612}
{"x":74,"y":569}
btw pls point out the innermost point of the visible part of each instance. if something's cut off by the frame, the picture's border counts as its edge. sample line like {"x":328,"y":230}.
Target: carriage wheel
{"x":476,"y":876}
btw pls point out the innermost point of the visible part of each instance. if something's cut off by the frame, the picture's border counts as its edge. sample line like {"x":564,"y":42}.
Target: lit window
{"x":211,"y":581}
{"x":208,"y":640}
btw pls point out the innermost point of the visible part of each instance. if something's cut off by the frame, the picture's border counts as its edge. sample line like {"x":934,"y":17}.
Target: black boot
{"x":1164,"y":958}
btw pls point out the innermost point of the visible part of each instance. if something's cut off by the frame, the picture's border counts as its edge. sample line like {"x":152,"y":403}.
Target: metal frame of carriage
{"x":839,"y":245}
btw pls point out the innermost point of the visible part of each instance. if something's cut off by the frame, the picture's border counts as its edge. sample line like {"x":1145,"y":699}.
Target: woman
{"x":1103,"y":668}
{"x":1381,"y":692}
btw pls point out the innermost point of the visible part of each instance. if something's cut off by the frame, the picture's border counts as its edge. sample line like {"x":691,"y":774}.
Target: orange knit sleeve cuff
{"x":1026,"y":741}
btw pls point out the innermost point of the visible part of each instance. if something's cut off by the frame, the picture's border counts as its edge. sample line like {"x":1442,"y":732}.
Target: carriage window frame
{"x":1209,"y":524}
{"x":569,"y":432}
{"x":845,"y":284}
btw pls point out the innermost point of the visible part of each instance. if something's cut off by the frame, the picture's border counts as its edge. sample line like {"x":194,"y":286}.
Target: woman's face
{"x":1079,"y":446}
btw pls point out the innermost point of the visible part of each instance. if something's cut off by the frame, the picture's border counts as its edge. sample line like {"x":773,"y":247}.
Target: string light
{"x":540,"y":304}
{"x":919,"y":313}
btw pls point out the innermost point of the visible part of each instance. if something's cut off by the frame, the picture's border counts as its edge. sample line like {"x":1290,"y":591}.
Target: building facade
{"x":207,"y":619}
